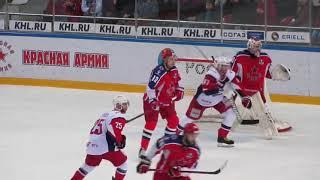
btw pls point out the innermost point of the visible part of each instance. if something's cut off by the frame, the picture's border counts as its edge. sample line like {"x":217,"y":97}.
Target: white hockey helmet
{"x":222,"y":60}
{"x":120,"y":101}
{"x":222,"y":64}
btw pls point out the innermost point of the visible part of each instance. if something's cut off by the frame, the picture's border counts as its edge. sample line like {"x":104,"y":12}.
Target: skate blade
{"x":225,"y":145}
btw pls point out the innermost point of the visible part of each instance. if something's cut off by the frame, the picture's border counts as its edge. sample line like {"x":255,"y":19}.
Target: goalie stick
{"x":203,"y":172}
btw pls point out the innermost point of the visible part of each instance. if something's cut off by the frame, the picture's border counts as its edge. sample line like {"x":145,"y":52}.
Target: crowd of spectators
{"x":277,"y":12}
{"x":257,"y":12}
{"x":97,"y":8}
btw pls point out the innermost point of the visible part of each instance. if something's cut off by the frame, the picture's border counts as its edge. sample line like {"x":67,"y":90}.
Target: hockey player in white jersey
{"x":106,"y":141}
{"x":210,"y":95}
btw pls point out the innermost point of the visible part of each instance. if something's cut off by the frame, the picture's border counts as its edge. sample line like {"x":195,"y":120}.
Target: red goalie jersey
{"x":251,"y":71}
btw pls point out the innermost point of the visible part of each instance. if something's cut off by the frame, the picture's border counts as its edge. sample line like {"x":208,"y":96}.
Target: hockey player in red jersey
{"x":210,"y":95}
{"x":106,"y":141}
{"x":162,"y":91}
{"x":252,"y":66}
{"x":178,"y":152}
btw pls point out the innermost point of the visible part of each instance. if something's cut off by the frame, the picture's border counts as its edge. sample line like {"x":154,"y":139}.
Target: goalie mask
{"x":120,"y":103}
{"x":254,"y":45}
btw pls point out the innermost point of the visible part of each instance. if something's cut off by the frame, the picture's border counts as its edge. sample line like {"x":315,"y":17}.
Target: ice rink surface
{"x":43,"y":133}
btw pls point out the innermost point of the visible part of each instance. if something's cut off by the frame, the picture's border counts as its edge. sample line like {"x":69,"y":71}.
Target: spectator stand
{"x":291,"y":22}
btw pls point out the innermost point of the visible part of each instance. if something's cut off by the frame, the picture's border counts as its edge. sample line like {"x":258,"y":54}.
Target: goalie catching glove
{"x":280,"y":72}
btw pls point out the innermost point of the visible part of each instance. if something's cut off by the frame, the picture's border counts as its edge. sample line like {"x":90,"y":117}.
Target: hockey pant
{"x":195,"y":112}
{"x":151,"y":118}
{"x":117,"y":158}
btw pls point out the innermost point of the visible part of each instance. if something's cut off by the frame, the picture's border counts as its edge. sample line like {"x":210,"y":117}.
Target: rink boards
{"x":104,"y":63}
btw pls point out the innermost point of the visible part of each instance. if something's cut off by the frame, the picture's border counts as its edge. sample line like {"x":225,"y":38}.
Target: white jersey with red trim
{"x":210,"y":92}
{"x":106,"y":133}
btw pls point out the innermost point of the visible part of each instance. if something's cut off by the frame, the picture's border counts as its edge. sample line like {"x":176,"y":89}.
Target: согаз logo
{"x":5,"y":52}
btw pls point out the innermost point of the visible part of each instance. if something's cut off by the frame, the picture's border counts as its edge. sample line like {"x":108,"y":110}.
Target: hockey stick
{"x":137,"y":116}
{"x":203,"y":172}
{"x":134,"y":118}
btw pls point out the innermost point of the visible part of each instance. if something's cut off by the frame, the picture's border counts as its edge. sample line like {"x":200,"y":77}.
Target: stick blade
{"x":220,"y":169}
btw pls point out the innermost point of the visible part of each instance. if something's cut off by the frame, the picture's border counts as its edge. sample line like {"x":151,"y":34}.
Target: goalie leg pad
{"x":261,"y":110}
{"x":282,"y":126}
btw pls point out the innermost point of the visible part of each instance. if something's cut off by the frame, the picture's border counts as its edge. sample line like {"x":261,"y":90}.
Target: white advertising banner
{"x":29,"y":26}
{"x":130,"y":62}
{"x":200,"y":33}
{"x":231,"y":34}
{"x":113,"y":29}
{"x":74,"y":27}
{"x":287,"y":36}
{"x":1,"y":24}
{"x":153,"y":31}
{"x":242,"y":35}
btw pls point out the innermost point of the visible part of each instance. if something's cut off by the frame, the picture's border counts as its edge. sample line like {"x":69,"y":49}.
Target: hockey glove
{"x":155,"y":104}
{"x":122,"y":144}
{"x":179,"y":93}
{"x":246,"y":102}
{"x":144,"y":165}
{"x":175,"y":172}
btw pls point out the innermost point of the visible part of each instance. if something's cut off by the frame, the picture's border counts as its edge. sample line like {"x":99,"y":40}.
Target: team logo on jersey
{"x":254,"y":74}
{"x":261,"y":62}
{"x":254,"y":69}
{"x":5,"y":52}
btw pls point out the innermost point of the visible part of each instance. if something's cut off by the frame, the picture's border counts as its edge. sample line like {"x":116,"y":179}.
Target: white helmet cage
{"x":254,"y":43}
{"x":119,"y":101}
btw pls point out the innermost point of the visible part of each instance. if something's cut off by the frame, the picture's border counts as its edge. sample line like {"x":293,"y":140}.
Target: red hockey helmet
{"x":191,"y":128}
{"x":167,"y":52}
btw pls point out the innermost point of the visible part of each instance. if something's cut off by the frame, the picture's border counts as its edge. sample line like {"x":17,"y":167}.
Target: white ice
{"x":43,"y":132}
